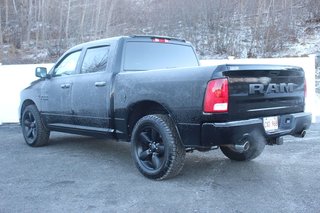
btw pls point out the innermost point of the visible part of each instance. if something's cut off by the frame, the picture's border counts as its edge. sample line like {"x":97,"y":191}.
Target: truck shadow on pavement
{"x":116,"y":155}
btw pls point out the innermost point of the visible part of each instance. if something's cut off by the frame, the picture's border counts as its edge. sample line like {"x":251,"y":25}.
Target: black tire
{"x":256,"y":146}
{"x":156,"y":148}
{"x":33,"y":129}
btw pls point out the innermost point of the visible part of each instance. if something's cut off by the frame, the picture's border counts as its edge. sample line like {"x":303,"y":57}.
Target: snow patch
{"x":13,"y":79}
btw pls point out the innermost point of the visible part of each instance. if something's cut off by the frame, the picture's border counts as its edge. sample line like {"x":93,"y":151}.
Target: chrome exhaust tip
{"x":303,"y":133}
{"x":242,"y":147}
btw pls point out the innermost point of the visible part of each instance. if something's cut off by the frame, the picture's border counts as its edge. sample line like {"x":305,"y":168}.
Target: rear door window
{"x":95,"y":59}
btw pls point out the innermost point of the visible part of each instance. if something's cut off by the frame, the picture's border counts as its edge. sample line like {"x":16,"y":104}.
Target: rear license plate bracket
{"x":271,"y":124}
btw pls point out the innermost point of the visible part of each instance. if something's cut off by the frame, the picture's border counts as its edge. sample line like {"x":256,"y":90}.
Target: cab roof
{"x":109,"y":41}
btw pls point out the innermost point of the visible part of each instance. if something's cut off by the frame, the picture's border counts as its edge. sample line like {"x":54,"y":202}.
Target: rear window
{"x":152,"y":55}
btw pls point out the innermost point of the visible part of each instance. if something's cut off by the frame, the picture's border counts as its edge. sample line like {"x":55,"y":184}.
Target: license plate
{"x":270,"y":123}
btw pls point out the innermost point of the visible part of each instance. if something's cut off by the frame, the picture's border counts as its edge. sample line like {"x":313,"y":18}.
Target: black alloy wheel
{"x":30,"y":127}
{"x":156,"y":148}
{"x":34,"y":132}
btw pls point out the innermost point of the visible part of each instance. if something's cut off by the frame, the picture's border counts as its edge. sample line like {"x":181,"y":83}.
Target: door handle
{"x":100,"y":84}
{"x":65,"y":86}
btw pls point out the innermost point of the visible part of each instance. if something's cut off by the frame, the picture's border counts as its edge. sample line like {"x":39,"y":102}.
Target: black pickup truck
{"x":151,"y":91}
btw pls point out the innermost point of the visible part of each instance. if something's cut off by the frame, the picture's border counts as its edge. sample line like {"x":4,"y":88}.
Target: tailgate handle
{"x":274,"y":73}
{"x":100,"y":84}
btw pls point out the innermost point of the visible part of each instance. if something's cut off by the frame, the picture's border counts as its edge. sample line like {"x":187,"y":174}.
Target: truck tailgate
{"x":260,"y":91}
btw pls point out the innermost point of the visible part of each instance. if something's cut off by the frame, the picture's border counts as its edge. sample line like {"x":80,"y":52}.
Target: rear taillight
{"x":217,"y":96}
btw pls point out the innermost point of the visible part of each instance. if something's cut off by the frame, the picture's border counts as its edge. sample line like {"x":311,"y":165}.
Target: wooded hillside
{"x":41,"y":30}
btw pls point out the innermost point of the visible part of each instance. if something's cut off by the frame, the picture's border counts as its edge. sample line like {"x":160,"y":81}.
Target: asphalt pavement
{"x":84,"y":174}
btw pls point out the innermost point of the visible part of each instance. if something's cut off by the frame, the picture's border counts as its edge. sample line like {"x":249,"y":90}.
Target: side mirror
{"x":41,"y":72}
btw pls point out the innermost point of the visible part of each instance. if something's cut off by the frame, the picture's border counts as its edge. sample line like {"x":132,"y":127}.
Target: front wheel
{"x":156,"y":147}
{"x":33,"y":129}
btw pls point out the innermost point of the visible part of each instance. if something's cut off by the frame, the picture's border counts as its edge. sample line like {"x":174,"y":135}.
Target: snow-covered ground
{"x":308,"y":42}
{"x":14,"y":78}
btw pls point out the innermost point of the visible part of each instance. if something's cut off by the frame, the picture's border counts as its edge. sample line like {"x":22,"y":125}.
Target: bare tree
{"x":1,"y":36}
{"x":83,"y":16}
{"x":14,"y":6}
{"x":244,"y":28}
{"x":110,"y":13}
{"x":6,"y":5}
{"x":30,"y":20}
{"x":68,"y":19}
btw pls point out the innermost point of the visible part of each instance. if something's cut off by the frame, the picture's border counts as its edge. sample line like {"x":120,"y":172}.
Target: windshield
{"x":153,"y":55}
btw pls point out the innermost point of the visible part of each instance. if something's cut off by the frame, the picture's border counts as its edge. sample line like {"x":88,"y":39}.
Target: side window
{"x":68,"y":65}
{"x":95,"y":59}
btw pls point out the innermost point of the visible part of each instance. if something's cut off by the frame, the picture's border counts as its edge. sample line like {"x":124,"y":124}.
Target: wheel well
{"x":25,"y":104}
{"x":141,"y":109}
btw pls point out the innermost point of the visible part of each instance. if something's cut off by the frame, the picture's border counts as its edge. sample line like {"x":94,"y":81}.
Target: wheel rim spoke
{"x":33,"y":132}
{"x":155,"y":161}
{"x":143,"y":155}
{"x":27,"y":123}
{"x":160,"y":149}
{"x":144,"y":138}
{"x":154,"y":135}
{"x":29,"y":132}
{"x":30,"y":117}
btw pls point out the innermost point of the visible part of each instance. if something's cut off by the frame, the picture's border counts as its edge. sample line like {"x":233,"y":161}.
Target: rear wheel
{"x":156,"y":148}
{"x":33,"y":129}
{"x":254,"y":149}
